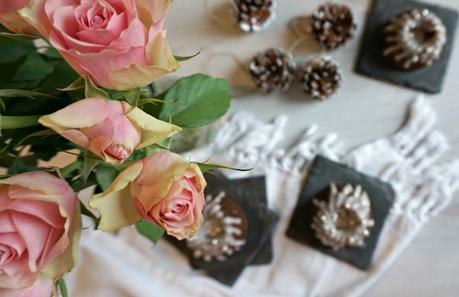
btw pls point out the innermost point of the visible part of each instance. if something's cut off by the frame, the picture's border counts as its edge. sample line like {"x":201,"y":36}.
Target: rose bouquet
{"x":77,"y":78}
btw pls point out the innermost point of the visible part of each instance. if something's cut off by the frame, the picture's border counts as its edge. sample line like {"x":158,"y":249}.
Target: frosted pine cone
{"x":272,"y":70}
{"x":333,"y":25}
{"x":414,"y":39}
{"x":254,"y":15}
{"x":320,"y":77}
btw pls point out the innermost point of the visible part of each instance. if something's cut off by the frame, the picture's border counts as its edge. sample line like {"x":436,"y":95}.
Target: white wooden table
{"x":363,"y":110}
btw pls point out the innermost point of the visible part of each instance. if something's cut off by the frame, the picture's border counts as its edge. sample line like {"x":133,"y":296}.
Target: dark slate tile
{"x":250,"y":195}
{"x":372,"y":63}
{"x":322,"y":173}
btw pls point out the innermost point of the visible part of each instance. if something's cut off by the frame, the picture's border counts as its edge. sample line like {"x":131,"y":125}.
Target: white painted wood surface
{"x":363,"y":110}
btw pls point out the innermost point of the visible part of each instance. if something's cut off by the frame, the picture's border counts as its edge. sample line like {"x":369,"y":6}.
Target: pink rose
{"x":39,"y":229}
{"x":10,"y":18}
{"x":163,"y":188}
{"x":108,"y":128}
{"x":120,"y":44}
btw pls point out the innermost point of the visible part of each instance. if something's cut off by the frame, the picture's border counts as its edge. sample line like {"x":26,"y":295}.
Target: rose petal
{"x":4,"y":198}
{"x":43,"y":287}
{"x":116,"y":208}
{"x":66,"y":246}
{"x":105,"y":36}
{"x":55,"y":244}
{"x":16,"y":274}
{"x":41,"y":185}
{"x":77,"y":137}
{"x":6,"y":224}
{"x":153,"y":130}
{"x":7,"y":6}
{"x":35,"y":14}
{"x":134,"y":36}
{"x":81,"y":114}
{"x":152,"y":11}
{"x":13,"y":241}
{"x":34,"y":232}
{"x":64,"y":21}
{"x":159,"y":55}
{"x":46,"y":211}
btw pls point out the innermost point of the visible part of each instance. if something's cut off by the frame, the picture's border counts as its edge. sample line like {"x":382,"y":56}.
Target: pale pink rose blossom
{"x":164,"y":189}
{"x":108,"y":128}
{"x":39,"y":229}
{"x":120,"y":44}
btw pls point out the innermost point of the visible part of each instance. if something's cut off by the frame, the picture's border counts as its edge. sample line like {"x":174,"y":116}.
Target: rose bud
{"x":108,"y":128}
{"x":120,"y":44}
{"x":39,"y":230}
{"x":163,"y":188}
{"x":10,"y":18}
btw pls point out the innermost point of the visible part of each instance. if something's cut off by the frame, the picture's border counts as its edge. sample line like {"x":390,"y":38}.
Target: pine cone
{"x":272,"y":70}
{"x":320,"y":77}
{"x":414,"y":39}
{"x":254,"y":15}
{"x":333,"y":25}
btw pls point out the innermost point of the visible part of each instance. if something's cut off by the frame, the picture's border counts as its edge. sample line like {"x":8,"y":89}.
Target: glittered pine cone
{"x":320,"y":77}
{"x":333,"y":25}
{"x":272,"y":70}
{"x":414,"y":39}
{"x":254,"y":15}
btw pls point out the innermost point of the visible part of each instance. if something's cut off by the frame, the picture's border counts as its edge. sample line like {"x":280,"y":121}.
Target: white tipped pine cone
{"x":272,"y":70}
{"x":320,"y":77}
{"x":254,"y":15}
{"x":333,"y":25}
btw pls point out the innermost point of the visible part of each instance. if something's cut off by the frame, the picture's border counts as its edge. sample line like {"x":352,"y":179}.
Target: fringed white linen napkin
{"x":128,"y":266}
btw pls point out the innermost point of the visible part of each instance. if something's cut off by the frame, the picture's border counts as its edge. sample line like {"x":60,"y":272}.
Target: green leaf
{"x":63,"y":288}
{"x":23,"y":164}
{"x":153,"y":101}
{"x":16,"y":36}
{"x":207,"y":166}
{"x":131,"y":96}
{"x":69,"y":169}
{"x":86,"y":212}
{"x":41,"y":133}
{"x":186,"y":58}
{"x":89,"y":164}
{"x":62,"y":76}
{"x":11,"y":93}
{"x":93,"y":91}
{"x":78,"y":84}
{"x":33,"y":71}
{"x":51,"y":52}
{"x":150,"y":231}
{"x":195,"y":101}
{"x":105,"y":174}
{"x":17,"y":122}
{"x":13,"y":50}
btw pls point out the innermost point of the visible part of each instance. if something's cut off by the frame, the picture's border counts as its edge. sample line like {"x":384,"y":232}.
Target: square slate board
{"x":322,"y":173}
{"x":372,"y":63}
{"x":250,"y":194}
